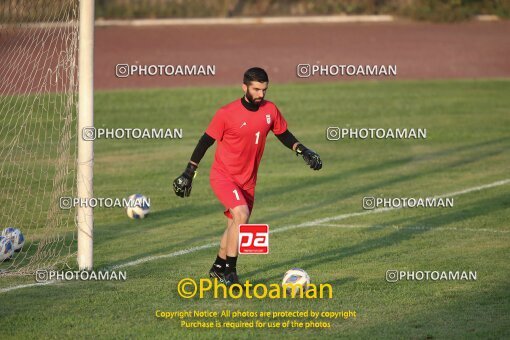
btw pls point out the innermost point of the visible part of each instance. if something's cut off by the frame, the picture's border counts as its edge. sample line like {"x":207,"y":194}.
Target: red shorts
{"x":230,"y":194}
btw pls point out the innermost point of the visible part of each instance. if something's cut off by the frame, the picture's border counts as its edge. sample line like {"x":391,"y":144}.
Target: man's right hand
{"x":182,"y":184}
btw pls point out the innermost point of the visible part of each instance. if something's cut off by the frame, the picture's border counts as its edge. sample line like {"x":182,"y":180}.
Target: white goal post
{"x":85,"y":166}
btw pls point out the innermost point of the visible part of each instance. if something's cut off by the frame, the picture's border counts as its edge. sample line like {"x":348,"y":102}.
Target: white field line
{"x":157,"y":257}
{"x":317,"y":222}
{"x":3,"y":290}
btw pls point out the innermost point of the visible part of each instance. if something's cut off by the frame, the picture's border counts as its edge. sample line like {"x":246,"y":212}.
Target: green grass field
{"x":467,"y":146}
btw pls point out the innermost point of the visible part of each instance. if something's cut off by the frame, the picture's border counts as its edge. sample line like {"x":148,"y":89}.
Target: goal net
{"x":38,"y":123}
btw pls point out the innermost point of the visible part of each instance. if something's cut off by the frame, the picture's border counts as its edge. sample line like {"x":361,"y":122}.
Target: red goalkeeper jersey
{"x":241,"y":136}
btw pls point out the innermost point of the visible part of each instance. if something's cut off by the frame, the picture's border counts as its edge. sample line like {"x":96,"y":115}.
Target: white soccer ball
{"x":6,"y":248}
{"x":16,"y":237}
{"x":298,"y":277}
{"x":138,"y":206}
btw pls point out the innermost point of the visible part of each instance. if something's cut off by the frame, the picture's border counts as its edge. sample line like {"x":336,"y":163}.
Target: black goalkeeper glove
{"x":311,"y":158}
{"x":182,"y":184}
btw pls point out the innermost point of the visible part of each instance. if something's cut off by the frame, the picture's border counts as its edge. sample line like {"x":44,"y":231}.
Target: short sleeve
{"x":216,"y":127}
{"x":280,"y":124}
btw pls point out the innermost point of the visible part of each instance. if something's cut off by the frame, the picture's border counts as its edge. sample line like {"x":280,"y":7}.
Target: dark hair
{"x":255,"y":74}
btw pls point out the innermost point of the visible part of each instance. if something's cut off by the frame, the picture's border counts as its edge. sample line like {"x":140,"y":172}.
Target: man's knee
{"x":241,"y":214}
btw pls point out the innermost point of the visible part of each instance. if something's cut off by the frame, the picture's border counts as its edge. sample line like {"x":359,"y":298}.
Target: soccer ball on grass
{"x":16,"y":237}
{"x":6,"y":248}
{"x":139,"y":206}
{"x":299,"y":278}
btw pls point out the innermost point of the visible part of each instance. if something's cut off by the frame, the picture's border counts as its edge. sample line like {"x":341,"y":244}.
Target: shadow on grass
{"x":167,"y":217}
{"x":370,"y":188}
{"x":314,"y":181}
{"x":480,"y":208}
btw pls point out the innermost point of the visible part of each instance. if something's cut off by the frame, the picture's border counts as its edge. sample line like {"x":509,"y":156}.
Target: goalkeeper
{"x":241,"y":129}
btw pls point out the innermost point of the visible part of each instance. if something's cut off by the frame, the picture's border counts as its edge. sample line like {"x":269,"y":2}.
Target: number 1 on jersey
{"x":237,"y":195}
{"x":257,"y":139}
